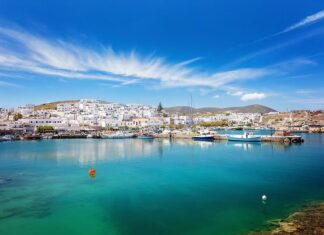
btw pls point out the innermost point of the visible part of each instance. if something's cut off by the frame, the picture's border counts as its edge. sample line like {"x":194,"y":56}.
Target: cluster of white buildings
{"x":90,"y":113}
{"x":237,"y":118}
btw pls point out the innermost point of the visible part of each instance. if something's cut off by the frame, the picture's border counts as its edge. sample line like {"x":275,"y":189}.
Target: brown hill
{"x":256,"y":108}
{"x":53,"y":105}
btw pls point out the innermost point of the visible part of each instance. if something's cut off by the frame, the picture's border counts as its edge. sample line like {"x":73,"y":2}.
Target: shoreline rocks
{"x":309,"y":220}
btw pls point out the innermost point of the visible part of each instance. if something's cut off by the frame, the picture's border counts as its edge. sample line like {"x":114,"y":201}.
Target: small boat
{"x":203,"y":138}
{"x":145,"y":137}
{"x":5,"y":138}
{"x":246,"y":137}
{"x":30,"y":137}
{"x":118,"y":135}
{"x":47,"y":137}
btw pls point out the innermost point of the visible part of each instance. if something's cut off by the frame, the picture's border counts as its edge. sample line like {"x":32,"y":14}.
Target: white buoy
{"x":264,"y":197}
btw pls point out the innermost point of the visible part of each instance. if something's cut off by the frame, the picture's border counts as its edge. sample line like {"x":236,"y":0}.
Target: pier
{"x":265,"y":138}
{"x":283,"y":139}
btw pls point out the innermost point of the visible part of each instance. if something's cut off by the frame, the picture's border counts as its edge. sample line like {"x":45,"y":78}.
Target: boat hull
{"x":242,"y":139}
{"x":117,"y":137}
{"x":203,"y":138}
{"x":145,"y":137}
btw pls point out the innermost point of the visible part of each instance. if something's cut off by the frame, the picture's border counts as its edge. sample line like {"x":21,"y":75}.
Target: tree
{"x":220,"y":123}
{"x":18,"y":116}
{"x":124,"y":127}
{"x":45,"y":129}
{"x":160,"y":107}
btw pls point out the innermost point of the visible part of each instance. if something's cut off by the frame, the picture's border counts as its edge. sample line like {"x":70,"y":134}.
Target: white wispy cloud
{"x":216,"y":96}
{"x":304,"y":91}
{"x":7,"y":84}
{"x":275,"y":48}
{"x":246,"y":96}
{"x":253,"y":96}
{"x":311,"y":19}
{"x":235,"y":93}
{"x":31,"y":53}
{"x":306,"y":21}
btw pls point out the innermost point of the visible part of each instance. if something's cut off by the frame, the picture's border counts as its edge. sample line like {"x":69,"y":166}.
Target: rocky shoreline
{"x":309,"y":220}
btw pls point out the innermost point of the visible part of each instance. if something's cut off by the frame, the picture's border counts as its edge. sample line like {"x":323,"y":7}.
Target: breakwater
{"x":265,"y":138}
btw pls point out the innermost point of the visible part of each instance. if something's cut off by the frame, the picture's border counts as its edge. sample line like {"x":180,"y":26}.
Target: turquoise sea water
{"x":154,"y":187}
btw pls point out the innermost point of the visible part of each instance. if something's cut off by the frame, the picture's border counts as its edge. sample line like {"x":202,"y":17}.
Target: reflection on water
{"x":186,"y":142}
{"x":99,"y":150}
{"x":153,"y":187}
{"x":245,"y":146}
{"x":90,"y":151}
{"x":87,"y":152}
{"x":281,"y":146}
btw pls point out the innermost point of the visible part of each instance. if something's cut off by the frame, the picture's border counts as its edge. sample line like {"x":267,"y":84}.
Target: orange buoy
{"x":92,"y":172}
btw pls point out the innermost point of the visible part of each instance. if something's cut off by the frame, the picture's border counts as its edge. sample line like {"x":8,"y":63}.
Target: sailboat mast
{"x":191,"y":119}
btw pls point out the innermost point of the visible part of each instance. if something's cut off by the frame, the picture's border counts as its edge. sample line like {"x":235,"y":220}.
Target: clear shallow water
{"x":154,"y":187}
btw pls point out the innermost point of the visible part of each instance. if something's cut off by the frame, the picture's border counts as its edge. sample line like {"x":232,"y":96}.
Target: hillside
{"x":52,"y":105}
{"x":298,"y":118}
{"x":256,"y":108}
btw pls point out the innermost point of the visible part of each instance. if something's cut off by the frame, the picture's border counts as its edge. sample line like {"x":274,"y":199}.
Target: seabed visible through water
{"x":154,"y":187}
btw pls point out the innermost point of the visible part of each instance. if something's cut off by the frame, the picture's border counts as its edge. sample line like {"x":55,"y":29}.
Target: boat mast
{"x":191,"y":118}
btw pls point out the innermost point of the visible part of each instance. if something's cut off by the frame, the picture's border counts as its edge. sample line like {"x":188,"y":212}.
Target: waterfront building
{"x":25,"y":110}
{"x":36,"y":122}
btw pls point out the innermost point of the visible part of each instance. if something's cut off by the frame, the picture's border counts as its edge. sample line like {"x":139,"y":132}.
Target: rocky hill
{"x":53,"y":105}
{"x":256,"y":108}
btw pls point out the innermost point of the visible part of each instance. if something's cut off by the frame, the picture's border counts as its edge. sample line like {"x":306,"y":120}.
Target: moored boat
{"x":5,"y":138}
{"x":118,"y":135}
{"x":145,"y":137}
{"x":246,"y":137}
{"x":31,"y":137}
{"x":203,"y":137}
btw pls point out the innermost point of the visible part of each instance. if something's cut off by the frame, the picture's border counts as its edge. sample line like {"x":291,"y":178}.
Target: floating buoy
{"x":264,"y":197}
{"x":92,"y":172}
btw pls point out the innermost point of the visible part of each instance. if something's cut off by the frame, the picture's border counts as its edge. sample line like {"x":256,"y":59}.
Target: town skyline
{"x":163,"y":52}
{"x":44,"y":105}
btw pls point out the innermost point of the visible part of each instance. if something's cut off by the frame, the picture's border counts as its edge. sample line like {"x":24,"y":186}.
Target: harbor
{"x":210,"y":135}
{"x":279,"y":136}
{"x":186,"y":185}
{"x":161,"y":117}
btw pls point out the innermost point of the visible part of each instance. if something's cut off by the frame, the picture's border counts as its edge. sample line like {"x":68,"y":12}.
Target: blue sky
{"x":223,"y":53}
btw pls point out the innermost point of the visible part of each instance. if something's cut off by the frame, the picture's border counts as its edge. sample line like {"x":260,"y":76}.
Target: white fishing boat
{"x":118,"y":135}
{"x":246,"y":137}
{"x":5,"y":138}
{"x":145,"y":137}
